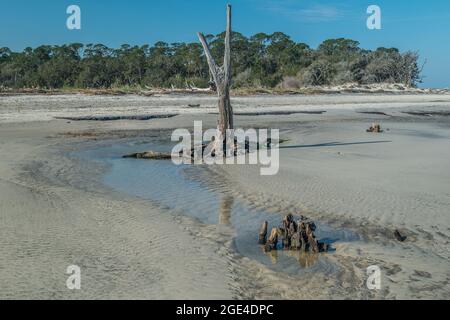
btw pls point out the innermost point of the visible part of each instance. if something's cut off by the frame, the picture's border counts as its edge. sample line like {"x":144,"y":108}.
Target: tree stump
{"x":272,"y":242}
{"x":263,"y":233}
{"x":375,"y":128}
{"x":295,"y":235}
{"x":312,"y":242}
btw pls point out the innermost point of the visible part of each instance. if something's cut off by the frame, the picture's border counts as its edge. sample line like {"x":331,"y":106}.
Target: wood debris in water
{"x":375,"y":128}
{"x":150,"y":155}
{"x":294,"y":235}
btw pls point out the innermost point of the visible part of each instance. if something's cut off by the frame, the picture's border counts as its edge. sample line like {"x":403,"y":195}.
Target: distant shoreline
{"x":121,"y":106}
{"x":312,"y":90}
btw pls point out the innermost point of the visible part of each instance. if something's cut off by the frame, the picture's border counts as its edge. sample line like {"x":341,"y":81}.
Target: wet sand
{"x":57,"y":209}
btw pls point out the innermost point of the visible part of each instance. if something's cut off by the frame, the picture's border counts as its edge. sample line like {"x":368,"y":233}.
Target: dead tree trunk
{"x":222,"y":78}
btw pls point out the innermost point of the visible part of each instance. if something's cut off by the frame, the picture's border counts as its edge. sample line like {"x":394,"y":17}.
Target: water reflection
{"x":273,"y":255}
{"x":305,"y":259}
{"x":226,"y":206}
{"x":190,"y":190}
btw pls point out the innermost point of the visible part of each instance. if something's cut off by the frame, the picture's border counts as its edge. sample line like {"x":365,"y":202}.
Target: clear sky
{"x":407,"y":24}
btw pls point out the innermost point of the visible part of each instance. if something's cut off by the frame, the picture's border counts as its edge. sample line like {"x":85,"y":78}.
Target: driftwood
{"x":294,"y":235}
{"x":122,"y":117}
{"x":150,"y":155}
{"x":375,"y":128}
{"x":399,"y":236}
{"x":153,"y":155}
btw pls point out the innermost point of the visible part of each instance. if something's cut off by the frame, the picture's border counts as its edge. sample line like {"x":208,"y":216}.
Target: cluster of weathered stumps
{"x":375,"y":128}
{"x":294,"y":235}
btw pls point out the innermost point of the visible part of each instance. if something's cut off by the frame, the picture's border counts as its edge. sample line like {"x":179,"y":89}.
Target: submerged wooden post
{"x":263,"y":233}
{"x":222,"y":78}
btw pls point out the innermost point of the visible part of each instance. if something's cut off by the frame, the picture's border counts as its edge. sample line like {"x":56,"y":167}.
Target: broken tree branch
{"x":214,"y":69}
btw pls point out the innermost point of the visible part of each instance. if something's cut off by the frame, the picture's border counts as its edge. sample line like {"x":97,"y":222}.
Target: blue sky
{"x":409,"y":25}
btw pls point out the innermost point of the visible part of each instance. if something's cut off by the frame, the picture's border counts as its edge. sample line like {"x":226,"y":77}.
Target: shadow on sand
{"x":332,"y":144}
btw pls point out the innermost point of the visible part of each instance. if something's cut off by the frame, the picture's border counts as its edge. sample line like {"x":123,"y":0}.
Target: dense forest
{"x":261,"y":60}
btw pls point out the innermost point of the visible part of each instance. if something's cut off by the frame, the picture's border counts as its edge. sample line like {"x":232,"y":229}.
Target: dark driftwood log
{"x":115,"y":118}
{"x":150,"y":155}
{"x":222,"y":78}
{"x":400,"y":237}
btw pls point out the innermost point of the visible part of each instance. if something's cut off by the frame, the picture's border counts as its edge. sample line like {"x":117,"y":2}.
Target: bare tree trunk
{"x":222,"y":78}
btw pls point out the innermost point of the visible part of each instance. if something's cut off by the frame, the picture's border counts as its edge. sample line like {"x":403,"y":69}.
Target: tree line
{"x":261,"y":60}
